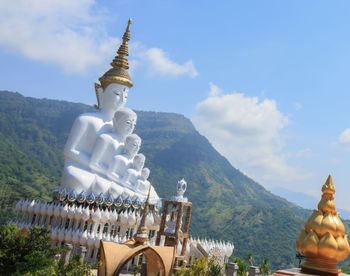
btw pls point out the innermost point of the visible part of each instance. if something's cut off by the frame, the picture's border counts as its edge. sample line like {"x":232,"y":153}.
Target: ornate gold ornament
{"x":118,"y":73}
{"x":323,"y":241}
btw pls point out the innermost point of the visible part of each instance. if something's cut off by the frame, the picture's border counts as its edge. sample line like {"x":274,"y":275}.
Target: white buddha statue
{"x":121,"y":162}
{"x":111,"y":95}
{"x":142,"y":184}
{"x":109,"y":144}
{"x":130,"y":176}
{"x":117,"y":168}
{"x":87,"y":126}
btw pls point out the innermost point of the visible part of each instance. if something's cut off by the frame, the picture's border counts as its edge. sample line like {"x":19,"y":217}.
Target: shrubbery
{"x":30,"y":253}
{"x":243,"y":266}
{"x":202,"y":267}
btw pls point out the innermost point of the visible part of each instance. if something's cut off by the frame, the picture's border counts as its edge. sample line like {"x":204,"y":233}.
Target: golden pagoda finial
{"x":120,"y":60}
{"x":141,"y":235}
{"x":323,"y":241}
{"x":326,"y":203}
{"x":328,"y":187}
{"x":118,"y":73}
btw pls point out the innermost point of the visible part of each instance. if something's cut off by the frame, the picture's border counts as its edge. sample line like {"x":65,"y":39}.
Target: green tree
{"x":242,"y":267}
{"x":250,"y":258}
{"x":24,"y":252}
{"x":137,"y":270}
{"x":345,"y":267}
{"x":74,"y":267}
{"x":30,"y":253}
{"x":214,"y":269}
{"x":265,"y":267}
{"x":201,"y":267}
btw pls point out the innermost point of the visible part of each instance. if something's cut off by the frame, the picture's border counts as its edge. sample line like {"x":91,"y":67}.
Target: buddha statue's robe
{"x":86,"y":129}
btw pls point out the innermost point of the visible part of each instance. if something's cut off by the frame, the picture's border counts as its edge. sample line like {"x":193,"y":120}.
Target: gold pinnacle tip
{"x":329,"y":179}
{"x":328,"y":186}
{"x":129,"y":23}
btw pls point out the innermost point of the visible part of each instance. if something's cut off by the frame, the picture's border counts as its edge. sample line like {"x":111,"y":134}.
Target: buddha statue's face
{"x":139,"y":162}
{"x":132,"y":145}
{"x":124,"y":123}
{"x":114,"y":96}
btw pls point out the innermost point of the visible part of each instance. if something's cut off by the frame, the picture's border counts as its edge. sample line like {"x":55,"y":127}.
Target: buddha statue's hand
{"x":113,"y":176}
{"x":78,"y":157}
{"x":137,"y":184}
{"x":126,"y":179}
{"x":132,"y":184}
{"x":96,"y":168}
{"x":127,"y":183}
{"x":142,"y":185}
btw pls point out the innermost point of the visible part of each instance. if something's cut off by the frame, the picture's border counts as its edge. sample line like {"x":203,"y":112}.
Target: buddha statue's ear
{"x":98,"y":91}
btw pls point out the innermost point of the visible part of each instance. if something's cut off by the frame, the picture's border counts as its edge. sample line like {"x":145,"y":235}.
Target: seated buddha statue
{"x":117,"y":167}
{"x":111,"y":96}
{"x":131,"y":174}
{"x":142,"y":184}
{"x":109,"y":144}
{"x":122,"y":162}
{"x":88,"y":126}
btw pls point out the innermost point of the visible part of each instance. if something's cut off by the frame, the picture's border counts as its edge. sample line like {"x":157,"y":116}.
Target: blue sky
{"x":267,"y":82}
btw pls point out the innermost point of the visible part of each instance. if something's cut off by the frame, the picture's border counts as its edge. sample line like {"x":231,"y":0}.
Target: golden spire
{"x":323,"y":242}
{"x":118,"y":73}
{"x":141,"y":235}
{"x":328,"y":187}
{"x":326,"y":203}
{"x":120,"y":60}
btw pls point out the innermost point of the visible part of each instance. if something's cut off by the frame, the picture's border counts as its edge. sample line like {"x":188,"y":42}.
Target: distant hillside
{"x":227,"y":204}
{"x":304,"y":200}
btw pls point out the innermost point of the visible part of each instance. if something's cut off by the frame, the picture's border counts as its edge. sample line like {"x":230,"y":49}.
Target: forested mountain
{"x":226,"y":203}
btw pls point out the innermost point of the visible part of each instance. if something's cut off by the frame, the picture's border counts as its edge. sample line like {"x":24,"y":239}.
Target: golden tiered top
{"x":326,"y":203}
{"x":118,"y":73}
{"x":323,"y":242}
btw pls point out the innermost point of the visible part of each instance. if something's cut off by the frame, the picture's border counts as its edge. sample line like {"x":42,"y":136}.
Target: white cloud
{"x":344,"y":138}
{"x":73,"y":35}
{"x":248,"y":132}
{"x":160,"y":63}
{"x":214,"y":90}
{"x":62,"y":32}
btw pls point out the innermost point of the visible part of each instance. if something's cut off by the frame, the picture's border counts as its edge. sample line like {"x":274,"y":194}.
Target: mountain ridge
{"x":226,"y":203}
